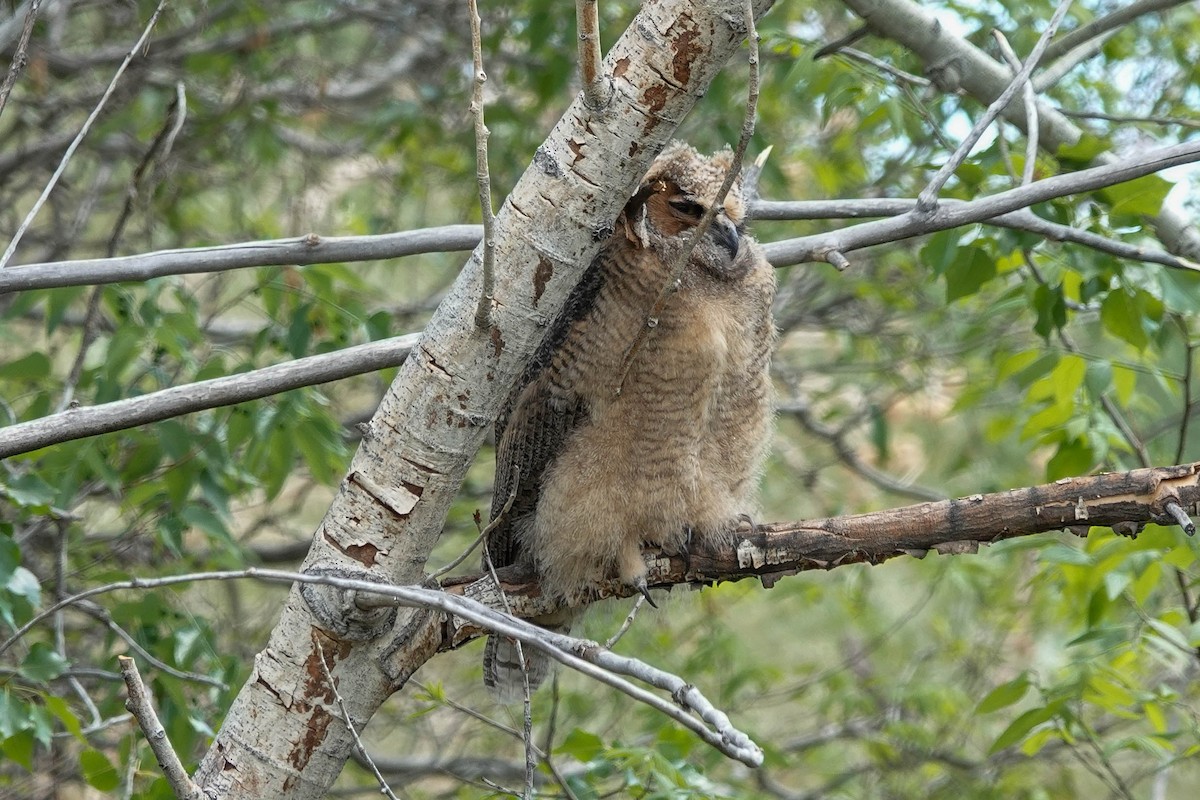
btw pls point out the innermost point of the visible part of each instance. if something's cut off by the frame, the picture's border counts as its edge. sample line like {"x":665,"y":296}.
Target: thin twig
{"x":690,"y":708}
{"x":483,"y":312}
{"x":1121,"y":16}
{"x":735,"y":168}
{"x":527,"y":699}
{"x":1055,"y":72}
{"x":802,"y":412}
{"x":1031,"y":114}
{"x":384,"y":789}
{"x":627,"y":624}
{"x":79,"y":423}
{"x":1189,"y":355}
{"x":597,"y":87}
{"x":483,"y":534}
{"x":20,"y":55}
{"x":881,"y":65}
{"x":1186,"y":123}
{"x":87,"y":124}
{"x":141,"y":706}
{"x":928,"y":198}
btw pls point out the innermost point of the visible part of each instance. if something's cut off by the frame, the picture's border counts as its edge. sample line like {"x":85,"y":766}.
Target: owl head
{"x":679,"y":188}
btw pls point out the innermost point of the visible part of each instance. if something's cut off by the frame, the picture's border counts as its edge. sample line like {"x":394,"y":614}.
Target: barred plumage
{"x":678,"y":451}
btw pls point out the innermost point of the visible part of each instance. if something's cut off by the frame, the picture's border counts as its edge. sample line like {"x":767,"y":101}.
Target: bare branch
{"x":816,"y":247}
{"x":78,"y":423}
{"x":709,"y":723}
{"x":141,"y":706}
{"x":961,"y":65}
{"x":300,"y":250}
{"x":1121,"y":16}
{"x":927,"y":199}
{"x":1152,"y":120}
{"x":1030,"y":98}
{"x":1127,"y":499}
{"x":1022,"y":220}
{"x":20,"y":56}
{"x":87,"y":124}
{"x":597,"y":88}
{"x":384,"y":789}
{"x":483,"y":311}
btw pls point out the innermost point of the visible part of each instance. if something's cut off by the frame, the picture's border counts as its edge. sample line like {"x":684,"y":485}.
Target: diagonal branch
{"x":915,"y":223}
{"x":955,"y":64}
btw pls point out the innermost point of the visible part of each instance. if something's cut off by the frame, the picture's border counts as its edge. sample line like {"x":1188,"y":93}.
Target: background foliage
{"x":969,"y":361}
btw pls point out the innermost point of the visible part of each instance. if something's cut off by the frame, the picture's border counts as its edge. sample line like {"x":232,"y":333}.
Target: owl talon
{"x":746,"y":522}
{"x":641,"y":585}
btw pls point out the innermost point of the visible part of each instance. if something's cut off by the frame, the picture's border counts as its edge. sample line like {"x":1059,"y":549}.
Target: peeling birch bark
{"x":281,"y":738}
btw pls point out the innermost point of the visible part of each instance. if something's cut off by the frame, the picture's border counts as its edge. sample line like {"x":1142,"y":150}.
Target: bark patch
{"x":541,"y":276}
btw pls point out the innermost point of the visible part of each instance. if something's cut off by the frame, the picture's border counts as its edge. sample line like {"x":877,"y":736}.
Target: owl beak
{"x":726,"y":235}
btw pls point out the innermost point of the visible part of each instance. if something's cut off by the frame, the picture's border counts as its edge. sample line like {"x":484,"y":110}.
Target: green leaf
{"x":941,"y":250}
{"x":1137,"y":198}
{"x":34,"y":368}
{"x":10,"y":559}
{"x":42,"y":663}
{"x":14,"y":714}
{"x":1022,"y":725}
{"x":29,"y":490}
{"x":206,"y":520}
{"x":965,"y":275}
{"x":1128,"y":314}
{"x":1004,"y":695}
{"x":19,"y":748}
{"x":98,"y":771}
{"x":1051,"y":308}
{"x":63,"y":713}
{"x":1083,"y":151}
{"x":582,"y":745}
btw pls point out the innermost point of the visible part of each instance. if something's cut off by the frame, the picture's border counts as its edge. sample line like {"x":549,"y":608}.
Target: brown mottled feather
{"x":680,"y":448}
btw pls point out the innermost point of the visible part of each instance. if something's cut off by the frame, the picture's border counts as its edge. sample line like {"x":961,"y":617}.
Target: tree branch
{"x":775,"y":550}
{"x":955,"y":63}
{"x":1097,"y":27}
{"x":78,"y":423}
{"x":915,"y":223}
{"x":299,"y":250}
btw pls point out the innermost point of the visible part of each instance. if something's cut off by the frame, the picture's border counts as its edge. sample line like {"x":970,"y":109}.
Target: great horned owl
{"x":597,"y":466}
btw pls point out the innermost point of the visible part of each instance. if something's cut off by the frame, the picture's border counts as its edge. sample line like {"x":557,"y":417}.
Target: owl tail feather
{"x":502,"y":666}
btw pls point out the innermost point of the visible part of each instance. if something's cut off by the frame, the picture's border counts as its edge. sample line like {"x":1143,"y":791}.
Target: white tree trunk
{"x":282,"y":737}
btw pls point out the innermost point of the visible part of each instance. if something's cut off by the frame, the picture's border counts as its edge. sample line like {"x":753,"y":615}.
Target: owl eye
{"x":687,"y":207}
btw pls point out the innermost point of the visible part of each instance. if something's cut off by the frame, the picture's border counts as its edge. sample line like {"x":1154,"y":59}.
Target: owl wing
{"x":537,"y":421}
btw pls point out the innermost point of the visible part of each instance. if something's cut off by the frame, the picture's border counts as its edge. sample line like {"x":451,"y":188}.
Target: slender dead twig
{"x":384,"y":789}
{"x":1100,"y":25}
{"x":20,"y":55}
{"x":141,"y":706}
{"x":928,"y":198}
{"x":527,"y":697}
{"x":690,"y":708}
{"x":1031,"y":116}
{"x":87,"y":124}
{"x":483,"y":312}
{"x":735,"y":168}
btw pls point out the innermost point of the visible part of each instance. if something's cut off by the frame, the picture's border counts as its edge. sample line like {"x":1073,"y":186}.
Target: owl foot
{"x":745,"y":524}
{"x":640,"y":584}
